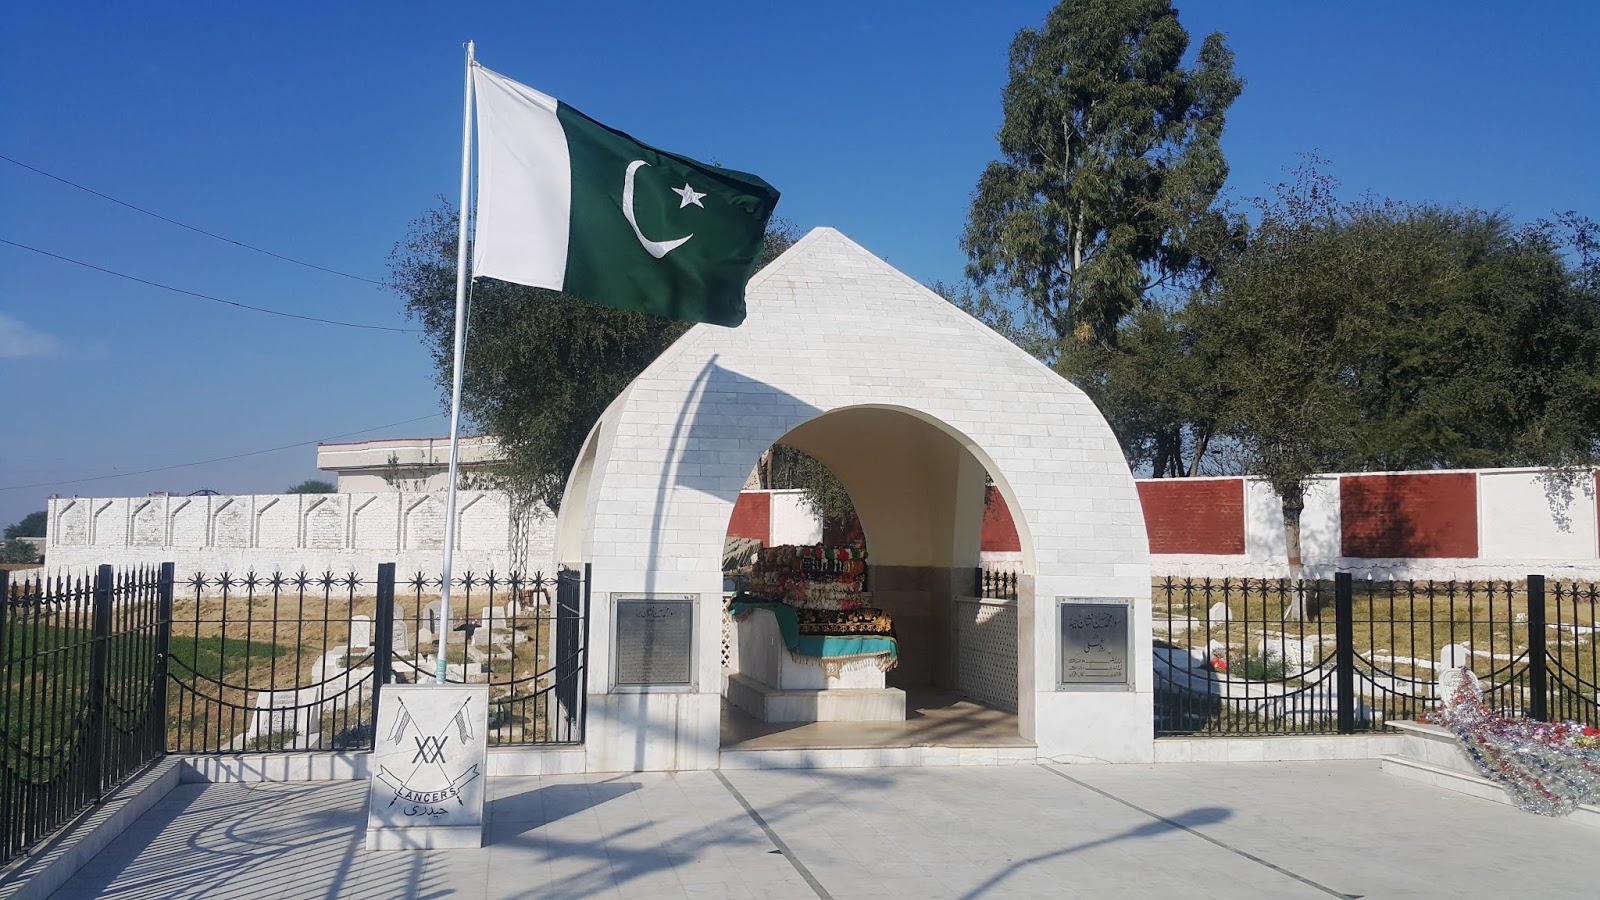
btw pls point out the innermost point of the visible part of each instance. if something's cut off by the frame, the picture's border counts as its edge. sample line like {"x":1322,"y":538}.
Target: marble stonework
{"x":429,"y":765}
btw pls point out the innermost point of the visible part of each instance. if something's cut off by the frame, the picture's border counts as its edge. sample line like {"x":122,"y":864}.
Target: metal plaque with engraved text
{"x":655,"y":639}
{"x":1094,"y":643}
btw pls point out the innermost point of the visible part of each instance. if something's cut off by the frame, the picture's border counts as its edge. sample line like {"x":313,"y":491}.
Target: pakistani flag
{"x":568,"y":204}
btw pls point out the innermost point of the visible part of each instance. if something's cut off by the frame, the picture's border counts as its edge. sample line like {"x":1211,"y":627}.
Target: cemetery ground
{"x":1233,"y":831}
{"x":1403,"y":635}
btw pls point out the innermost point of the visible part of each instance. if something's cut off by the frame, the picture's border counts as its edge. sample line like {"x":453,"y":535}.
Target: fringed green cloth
{"x":831,"y":635}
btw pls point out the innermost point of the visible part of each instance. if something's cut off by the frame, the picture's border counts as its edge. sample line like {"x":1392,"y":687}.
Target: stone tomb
{"x":772,"y":686}
{"x":429,"y":764}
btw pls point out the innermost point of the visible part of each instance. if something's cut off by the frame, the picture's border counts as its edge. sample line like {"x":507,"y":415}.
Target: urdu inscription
{"x":654,"y":640}
{"x":1094,"y":643}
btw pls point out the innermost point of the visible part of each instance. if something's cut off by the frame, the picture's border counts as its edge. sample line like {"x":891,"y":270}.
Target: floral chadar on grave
{"x":1547,"y":768}
{"x":818,"y":596}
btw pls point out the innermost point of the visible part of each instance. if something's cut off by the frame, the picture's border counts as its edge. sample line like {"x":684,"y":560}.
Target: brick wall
{"x":271,"y":532}
{"x":1415,"y":515}
{"x":752,"y":516}
{"x":1194,"y":515}
{"x":999,"y":531}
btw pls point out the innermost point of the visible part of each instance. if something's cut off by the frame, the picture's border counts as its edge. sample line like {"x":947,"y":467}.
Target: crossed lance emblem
{"x":430,"y":751}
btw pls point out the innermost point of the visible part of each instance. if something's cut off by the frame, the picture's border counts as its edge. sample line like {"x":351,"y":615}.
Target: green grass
{"x":216,"y":656}
{"x":48,"y":669}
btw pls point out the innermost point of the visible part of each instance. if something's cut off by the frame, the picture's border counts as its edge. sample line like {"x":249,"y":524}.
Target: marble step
{"x":1432,"y":755}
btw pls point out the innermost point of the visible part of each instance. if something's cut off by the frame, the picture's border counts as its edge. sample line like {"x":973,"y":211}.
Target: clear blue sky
{"x":319,"y":130}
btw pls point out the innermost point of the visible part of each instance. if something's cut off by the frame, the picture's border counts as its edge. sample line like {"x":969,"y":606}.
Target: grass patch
{"x":217,"y":656}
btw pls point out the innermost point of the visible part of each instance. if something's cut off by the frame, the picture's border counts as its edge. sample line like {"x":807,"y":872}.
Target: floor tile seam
{"x":772,"y":836}
{"x":1199,"y":834}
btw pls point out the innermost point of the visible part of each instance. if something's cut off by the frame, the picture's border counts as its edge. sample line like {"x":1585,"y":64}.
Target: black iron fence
{"x":1341,"y":656}
{"x":525,"y":637}
{"x":299,"y":662}
{"x":994,"y":584}
{"x":103,"y":675}
{"x":275,"y":662}
{"x":84,"y":692}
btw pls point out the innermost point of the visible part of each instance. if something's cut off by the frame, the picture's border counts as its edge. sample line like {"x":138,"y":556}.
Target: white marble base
{"x":1432,"y":755}
{"x":877,"y":757}
{"x":768,"y":704}
{"x":50,"y":863}
{"x":1285,"y":748}
{"x":429,"y":766}
{"x":424,"y":838}
{"x":764,"y":657}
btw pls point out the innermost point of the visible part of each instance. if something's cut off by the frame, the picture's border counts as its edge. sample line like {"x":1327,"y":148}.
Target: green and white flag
{"x":568,"y":204}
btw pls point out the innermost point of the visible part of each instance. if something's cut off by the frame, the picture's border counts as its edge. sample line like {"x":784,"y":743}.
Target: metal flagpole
{"x":455,"y":388}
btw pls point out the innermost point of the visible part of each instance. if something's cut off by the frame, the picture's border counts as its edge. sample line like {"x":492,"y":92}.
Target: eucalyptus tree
{"x":1110,"y":166}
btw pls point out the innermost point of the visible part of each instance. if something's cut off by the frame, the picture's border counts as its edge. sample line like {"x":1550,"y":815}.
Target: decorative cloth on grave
{"x":829,"y":638}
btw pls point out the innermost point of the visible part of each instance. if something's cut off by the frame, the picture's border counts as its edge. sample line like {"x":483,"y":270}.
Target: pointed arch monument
{"x":912,"y":403}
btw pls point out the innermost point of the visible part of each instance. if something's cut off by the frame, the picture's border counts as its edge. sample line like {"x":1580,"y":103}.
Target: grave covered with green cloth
{"x":830,"y":635}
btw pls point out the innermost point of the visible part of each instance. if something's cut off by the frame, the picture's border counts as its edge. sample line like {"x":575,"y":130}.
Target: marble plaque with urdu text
{"x":654,"y":640}
{"x":1094,"y":643}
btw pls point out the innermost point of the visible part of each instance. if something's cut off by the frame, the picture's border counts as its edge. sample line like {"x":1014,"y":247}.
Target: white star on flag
{"x":689,"y":195}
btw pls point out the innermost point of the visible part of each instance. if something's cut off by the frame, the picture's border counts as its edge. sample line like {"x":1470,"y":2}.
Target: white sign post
{"x":429,"y":767}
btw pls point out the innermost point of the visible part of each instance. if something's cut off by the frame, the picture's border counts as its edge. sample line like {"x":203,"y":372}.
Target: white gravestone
{"x":1451,"y":683}
{"x":401,"y":646}
{"x":1454,"y":660}
{"x":1218,"y":613}
{"x":429,"y":767}
{"x":360,"y":634}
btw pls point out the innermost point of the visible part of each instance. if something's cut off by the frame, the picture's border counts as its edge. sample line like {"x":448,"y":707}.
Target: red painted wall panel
{"x":1417,"y":516}
{"x":999,"y":531}
{"x":752,"y":517}
{"x":1187,"y":516}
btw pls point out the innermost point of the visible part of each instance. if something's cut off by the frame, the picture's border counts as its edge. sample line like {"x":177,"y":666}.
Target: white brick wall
{"x":268,"y":532}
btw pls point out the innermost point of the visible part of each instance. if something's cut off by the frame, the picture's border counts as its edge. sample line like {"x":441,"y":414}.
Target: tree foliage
{"x":16,"y":551}
{"x":313,"y":486}
{"x":1373,"y":335}
{"x":540,"y":366}
{"x":1155,"y":389}
{"x":30,"y":525}
{"x":1111,"y":164}
{"x":786,"y":468}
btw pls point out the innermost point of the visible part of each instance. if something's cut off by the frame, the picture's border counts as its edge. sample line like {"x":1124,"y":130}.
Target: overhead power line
{"x":20,"y":487}
{"x":210,"y":234}
{"x":178,"y":290}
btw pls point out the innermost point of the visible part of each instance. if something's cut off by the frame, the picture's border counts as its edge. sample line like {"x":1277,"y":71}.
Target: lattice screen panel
{"x":986,"y":646}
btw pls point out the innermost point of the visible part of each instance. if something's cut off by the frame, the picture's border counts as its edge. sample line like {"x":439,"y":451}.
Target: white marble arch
{"x":838,"y":342}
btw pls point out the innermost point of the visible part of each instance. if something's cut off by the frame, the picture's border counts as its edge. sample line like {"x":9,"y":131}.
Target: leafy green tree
{"x":313,"y":486}
{"x":1154,"y":388}
{"x":1111,"y":164}
{"x":540,"y":366}
{"x":31,"y":525}
{"x":18,"y":552}
{"x":1373,"y":335}
{"x":786,"y":468}
{"x":1281,"y":338}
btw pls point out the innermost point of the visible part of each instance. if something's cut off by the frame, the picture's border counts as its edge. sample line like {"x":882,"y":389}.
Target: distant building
{"x":403,"y":464}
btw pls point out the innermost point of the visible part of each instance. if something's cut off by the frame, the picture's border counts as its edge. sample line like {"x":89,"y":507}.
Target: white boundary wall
{"x":270,"y":532}
{"x":1525,"y":525}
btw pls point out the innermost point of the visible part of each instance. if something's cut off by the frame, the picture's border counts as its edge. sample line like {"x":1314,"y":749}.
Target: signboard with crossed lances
{"x":429,"y":767}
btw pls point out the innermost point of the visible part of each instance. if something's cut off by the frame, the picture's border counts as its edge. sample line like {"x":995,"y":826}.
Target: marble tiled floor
{"x":933,"y":718}
{"x":1241,"y":830}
